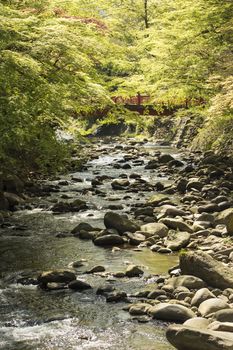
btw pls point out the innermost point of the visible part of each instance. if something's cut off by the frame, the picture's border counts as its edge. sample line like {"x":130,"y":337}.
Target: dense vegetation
{"x":61,"y":61}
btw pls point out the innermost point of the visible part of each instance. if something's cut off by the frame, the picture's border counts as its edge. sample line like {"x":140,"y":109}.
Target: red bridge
{"x":143,"y":104}
{"x":135,"y":100}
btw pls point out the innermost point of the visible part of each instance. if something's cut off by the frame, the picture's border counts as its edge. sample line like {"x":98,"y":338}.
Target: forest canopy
{"x":61,"y":60}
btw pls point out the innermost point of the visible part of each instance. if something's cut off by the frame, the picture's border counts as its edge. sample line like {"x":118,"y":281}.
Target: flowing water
{"x":32,"y":319}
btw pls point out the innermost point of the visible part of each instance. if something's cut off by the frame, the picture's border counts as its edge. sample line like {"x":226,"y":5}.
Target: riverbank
{"x":139,"y":203}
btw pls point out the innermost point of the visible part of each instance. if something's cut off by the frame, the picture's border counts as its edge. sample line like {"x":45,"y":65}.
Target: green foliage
{"x":48,"y":76}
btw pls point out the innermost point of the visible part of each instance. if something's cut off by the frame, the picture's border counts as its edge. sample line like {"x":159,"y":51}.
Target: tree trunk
{"x":146,"y":13}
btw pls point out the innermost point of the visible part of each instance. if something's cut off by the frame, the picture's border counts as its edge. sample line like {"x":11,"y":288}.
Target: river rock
{"x":83,"y":226}
{"x":175,"y":163}
{"x":65,"y":207}
{"x":181,"y":185}
{"x":105,"y":290}
{"x":1,"y":219}
{"x":116,"y":297}
{"x":187,"y":281}
{"x":206,"y":217}
{"x":121,"y":224}
{"x":4,"y":204}
{"x":155,"y":228}
{"x":212,"y":305}
{"x":115,"y":207}
{"x":226,"y":218}
{"x":170,"y":210}
{"x":133,"y":271}
{"x":13,"y":184}
{"x":78,"y":263}
{"x":157,"y":199}
{"x":177,"y":224}
{"x":177,"y":240}
{"x":171,"y":312}
{"x":55,"y":286}
{"x":208,"y":208}
{"x":202,"y":265}
{"x":109,"y":240}
{"x":152,"y":164}
{"x":13,"y":199}
{"x":96,"y":269}
{"x":186,"y":338}
{"x":87,"y":235}
{"x":156,"y":293}
{"x":79,"y":285}
{"x":197,"y":322}
{"x":147,"y":211}
{"x":194,"y":184}
{"x":201,"y":295}
{"x":225,"y":315}
{"x":56,"y":276}
{"x":221,"y":326}
{"x":164,"y":250}
{"x":165,"y":158}
{"x":139,"y":309}
{"x":119,"y":184}
{"x":78,"y":205}
{"x":135,"y":238}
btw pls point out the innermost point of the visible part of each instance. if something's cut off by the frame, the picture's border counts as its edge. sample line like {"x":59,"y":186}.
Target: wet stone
{"x":79,"y":285}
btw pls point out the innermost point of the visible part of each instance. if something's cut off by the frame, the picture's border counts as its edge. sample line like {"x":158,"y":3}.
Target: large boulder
{"x":155,"y":228}
{"x":187,"y":338}
{"x":202,"y":265}
{"x":171,"y":312}
{"x":110,"y":240}
{"x":121,"y":224}
{"x":226,"y":218}
{"x":177,"y":240}
{"x":110,"y":129}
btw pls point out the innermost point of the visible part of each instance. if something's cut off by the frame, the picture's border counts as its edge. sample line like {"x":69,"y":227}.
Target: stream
{"x":34,"y":319}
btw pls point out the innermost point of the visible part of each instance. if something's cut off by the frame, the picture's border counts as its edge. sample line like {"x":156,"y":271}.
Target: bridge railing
{"x":141,"y":100}
{"x":134,"y":100}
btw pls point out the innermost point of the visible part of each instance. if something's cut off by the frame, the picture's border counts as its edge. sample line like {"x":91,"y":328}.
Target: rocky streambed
{"x":111,"y":256}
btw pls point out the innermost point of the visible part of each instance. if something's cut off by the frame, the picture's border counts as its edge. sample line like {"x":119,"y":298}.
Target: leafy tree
{"x":62,"y":61}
